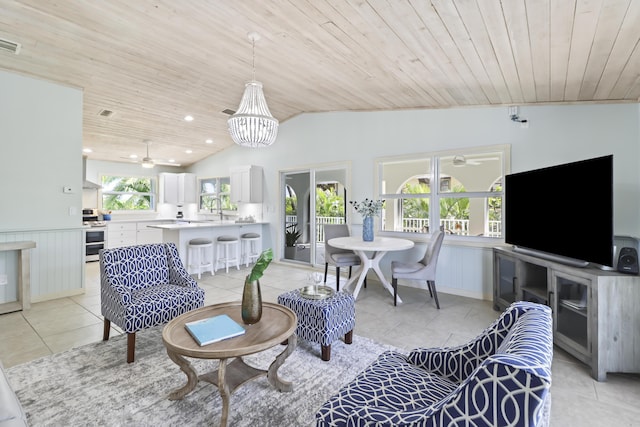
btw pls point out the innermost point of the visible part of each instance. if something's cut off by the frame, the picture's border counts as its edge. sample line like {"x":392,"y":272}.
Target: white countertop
{"x":202,"y":224}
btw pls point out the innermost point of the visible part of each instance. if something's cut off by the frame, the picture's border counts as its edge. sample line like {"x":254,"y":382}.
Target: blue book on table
{"x":213,"y":329}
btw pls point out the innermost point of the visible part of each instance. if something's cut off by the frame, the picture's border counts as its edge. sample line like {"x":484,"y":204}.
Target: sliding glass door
{"x":306,"y":211}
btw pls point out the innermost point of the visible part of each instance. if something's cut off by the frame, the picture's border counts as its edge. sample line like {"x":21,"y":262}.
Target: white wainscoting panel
{"x":466,"y":271}
{"x":57,"y":263}
{"x":462,"y":270}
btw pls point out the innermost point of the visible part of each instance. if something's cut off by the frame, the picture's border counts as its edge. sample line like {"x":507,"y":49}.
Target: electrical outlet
{"x":3,"y":279}
{"x":73,"y":211}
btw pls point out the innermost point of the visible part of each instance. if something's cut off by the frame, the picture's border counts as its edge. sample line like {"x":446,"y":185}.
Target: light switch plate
{"x":3,"y":279}
{"x":67,"y":190}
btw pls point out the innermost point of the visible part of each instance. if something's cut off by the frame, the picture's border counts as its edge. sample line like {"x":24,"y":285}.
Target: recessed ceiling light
{"x":209,"y":141}
{"x":171,"y":160}
{"x":133,"y":156}
{"x":189,"y":151}
{"x":87,"y":150}
{"x":188,"y":118}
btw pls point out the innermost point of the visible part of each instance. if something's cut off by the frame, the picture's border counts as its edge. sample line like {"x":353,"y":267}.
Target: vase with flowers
{"x":369,"y":208}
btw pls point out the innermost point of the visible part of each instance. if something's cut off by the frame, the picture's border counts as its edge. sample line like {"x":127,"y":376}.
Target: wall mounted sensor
{"x":515,"y":116}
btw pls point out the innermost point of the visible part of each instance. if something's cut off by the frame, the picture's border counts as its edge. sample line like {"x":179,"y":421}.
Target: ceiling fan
{"x":463,"y":161}
{"x":147,"y":162}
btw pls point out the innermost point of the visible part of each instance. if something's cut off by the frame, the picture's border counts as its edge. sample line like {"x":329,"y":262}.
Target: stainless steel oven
{"x":94,"y":236}
{"x":94,"y":241}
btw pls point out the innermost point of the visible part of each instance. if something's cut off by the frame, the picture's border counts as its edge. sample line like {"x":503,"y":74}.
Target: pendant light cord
{"x":253,"y":56}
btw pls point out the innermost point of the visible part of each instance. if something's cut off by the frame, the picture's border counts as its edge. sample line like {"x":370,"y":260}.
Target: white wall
{"x":556,"y":134}
{"x":40,"y":153}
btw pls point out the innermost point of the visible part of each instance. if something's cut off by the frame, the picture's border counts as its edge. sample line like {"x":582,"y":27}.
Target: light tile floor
{"x":54,"y":326}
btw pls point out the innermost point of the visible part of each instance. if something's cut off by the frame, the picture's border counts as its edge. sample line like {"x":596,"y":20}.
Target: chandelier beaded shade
{"x":253,"y":125}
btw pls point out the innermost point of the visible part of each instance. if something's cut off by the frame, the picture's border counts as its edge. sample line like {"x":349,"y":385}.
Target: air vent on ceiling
{"x":105,"y":113}
{"x":228,"y":111}
{"x":9,"y":46}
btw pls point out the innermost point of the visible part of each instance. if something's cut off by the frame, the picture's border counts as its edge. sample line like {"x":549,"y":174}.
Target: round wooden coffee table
{"x":277,"y":325}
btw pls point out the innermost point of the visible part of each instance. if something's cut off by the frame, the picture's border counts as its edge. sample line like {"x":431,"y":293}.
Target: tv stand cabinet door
{"x":572,"y":314}
{"x":505,"y":289}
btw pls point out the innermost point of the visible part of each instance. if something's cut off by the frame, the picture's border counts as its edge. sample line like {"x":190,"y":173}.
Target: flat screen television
{"x":563,"y":212}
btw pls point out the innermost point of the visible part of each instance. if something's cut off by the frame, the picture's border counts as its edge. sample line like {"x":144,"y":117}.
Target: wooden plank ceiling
{"x":153,"y":62}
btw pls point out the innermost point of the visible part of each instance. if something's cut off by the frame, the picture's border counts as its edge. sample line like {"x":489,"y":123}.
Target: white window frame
{"x":435,"y":195}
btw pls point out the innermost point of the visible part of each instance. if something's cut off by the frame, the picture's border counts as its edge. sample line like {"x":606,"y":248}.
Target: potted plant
{"x":291,"y":236}
{"x":251,"y":294}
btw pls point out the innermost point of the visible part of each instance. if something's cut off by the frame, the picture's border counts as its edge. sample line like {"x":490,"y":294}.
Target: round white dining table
{"x":378,"y":249}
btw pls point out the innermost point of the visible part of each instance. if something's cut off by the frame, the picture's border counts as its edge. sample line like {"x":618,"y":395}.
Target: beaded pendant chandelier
{"x":253,"y":125}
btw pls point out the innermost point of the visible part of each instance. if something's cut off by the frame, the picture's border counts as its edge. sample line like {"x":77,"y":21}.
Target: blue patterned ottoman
{"x":322,"y":321}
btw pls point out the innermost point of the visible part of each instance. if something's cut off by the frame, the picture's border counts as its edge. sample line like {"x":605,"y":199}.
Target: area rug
{"x":93,"y":385}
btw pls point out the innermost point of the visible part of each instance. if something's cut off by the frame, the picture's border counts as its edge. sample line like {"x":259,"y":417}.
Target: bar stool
{"x":223,"y":248}
{"x":248,"y":244}
{"x":200,"y":245}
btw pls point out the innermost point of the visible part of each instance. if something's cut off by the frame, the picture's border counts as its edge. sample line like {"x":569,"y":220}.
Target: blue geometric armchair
{"x":501,"y":378}
{"x":144,"y":286}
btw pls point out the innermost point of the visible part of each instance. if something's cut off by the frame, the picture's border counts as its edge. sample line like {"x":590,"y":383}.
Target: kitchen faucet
{"x":219,"y":200}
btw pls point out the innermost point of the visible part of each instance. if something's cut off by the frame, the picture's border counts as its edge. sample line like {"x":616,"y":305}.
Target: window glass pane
{"x":465,"y":200}
{"x":127,"y":193}
{"x":469,"y":216}
{"x":473,"y":172}
{"x":209,"y":186}
{"x":225,"y":185}
{"x":126,"y":202}
{"x":215,"y":194}
{"x":409,"y":215}
{"x":494,"y":209}
{"x":395,"y":175}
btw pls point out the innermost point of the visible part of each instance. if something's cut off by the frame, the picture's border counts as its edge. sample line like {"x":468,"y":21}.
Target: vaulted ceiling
{"x":153,"y":62}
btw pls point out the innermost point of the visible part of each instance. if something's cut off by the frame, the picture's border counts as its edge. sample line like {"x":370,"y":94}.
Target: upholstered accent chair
{"x":501,"y":378}
{"x":144,"y":286}
{"x":424,"y":269}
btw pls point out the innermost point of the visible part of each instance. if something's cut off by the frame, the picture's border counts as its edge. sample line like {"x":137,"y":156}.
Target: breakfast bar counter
{"x":181,"y":232}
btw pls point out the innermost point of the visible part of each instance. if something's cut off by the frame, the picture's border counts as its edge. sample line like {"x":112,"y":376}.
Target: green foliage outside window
{"x":450,"y":208}
{"x":127,"y":193}
{"x":495,"y":205}
{"x":290,"y":205}
{"x":415,"y":208}
{"x":328,"y":202}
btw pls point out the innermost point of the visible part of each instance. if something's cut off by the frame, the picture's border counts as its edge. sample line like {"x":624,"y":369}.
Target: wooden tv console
{"x":596,"y":313}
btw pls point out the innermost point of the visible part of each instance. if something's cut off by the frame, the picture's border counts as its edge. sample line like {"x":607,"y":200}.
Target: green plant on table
{"x":261,"y":265}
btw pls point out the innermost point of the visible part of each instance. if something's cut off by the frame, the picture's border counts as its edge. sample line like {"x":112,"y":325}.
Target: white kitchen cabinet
{"x":178,"y":188}
{"x":132,"y":233}
{"x":246,"y":184}
{"x":121,"y":234}
{"x":146,"y":235}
